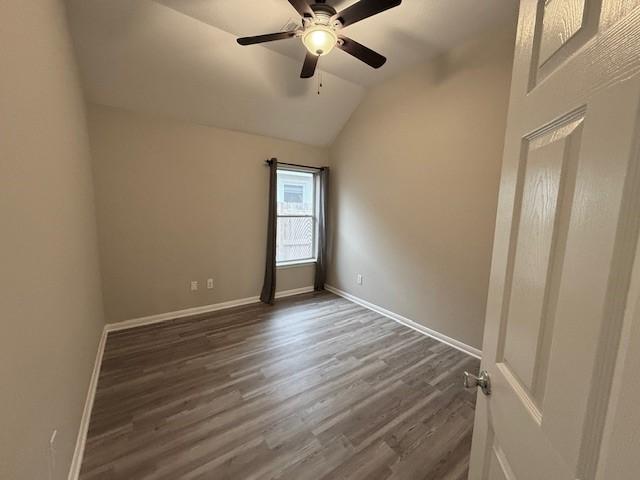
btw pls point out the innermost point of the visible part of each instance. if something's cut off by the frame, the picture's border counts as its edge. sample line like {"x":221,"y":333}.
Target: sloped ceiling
{"x":179,"y":58}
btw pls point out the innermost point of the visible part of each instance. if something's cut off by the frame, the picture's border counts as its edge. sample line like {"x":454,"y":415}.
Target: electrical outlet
{"x":359,"y":279}
{"x":209,"y":283}
{"x":194,"y":285}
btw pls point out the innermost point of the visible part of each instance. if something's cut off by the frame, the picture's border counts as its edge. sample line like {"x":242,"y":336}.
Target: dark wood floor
{"x":313,"y":388}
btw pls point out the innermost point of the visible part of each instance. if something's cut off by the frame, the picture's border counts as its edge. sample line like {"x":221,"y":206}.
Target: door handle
{"x":483,"y":381}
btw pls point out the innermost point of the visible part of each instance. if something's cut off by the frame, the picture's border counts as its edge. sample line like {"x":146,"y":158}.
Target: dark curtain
{"x":269,"y":286}
{"x":321,"y":264}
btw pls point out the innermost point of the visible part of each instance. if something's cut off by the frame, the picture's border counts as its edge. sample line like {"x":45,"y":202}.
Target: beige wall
{"x":180,"y":202}
{"x":415,"y":177}
{"x":51,"y":314}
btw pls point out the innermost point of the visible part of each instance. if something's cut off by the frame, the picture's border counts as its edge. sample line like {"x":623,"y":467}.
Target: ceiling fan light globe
{"x":319,"y":40}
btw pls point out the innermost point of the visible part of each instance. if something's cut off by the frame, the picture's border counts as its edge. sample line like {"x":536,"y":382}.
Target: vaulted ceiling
{"x":179,"y":58}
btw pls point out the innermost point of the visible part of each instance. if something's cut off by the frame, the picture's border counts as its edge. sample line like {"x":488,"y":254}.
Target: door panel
{"x":561,"y":28}
{"x":566,"y":232}
{"x":561,"y":20}
{"x":549,"y":159}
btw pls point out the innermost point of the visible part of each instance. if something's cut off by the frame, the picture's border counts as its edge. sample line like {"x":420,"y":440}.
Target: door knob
{"x":483,"y":381}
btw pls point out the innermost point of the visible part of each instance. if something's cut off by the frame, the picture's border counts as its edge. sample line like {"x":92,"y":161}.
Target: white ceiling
{"x":179,"y":58}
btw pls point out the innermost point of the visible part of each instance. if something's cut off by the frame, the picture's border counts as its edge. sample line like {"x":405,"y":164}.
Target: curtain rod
{"x":270,"y":161}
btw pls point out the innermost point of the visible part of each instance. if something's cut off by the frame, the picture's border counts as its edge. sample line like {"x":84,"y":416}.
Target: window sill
{"x":296,"y":263}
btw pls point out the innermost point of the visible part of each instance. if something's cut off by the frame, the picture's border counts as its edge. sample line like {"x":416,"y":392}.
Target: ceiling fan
{"x":321,"y":27}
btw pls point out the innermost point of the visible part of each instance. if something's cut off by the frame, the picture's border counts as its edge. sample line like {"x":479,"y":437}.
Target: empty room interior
{"x":320,"y":240}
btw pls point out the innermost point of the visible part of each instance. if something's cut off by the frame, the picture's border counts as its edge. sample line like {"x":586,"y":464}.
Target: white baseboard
{"x":452,"y":342}
{"x":295,"y":291}
{"x":76,"y":461}
{"x":78,"y":453}
{"x":189,"y":312}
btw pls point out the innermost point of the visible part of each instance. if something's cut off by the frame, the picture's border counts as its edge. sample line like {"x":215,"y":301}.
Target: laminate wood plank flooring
{"x":315,"y":387}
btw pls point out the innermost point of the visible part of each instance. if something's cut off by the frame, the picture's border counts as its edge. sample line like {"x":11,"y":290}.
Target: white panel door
{"x":564,"y":249}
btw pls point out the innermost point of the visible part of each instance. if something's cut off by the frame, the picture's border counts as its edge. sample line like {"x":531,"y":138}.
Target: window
{"x":296,"y":229}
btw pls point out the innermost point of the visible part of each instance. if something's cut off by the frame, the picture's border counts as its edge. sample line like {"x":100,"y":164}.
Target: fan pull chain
{"x":319,"y":82}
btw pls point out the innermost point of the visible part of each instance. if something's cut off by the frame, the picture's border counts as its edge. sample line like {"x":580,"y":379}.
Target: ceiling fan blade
{"x":364,"y":9}
{"x":361,"y":52}
{"x":309,"y":66}
{"x":302,"y":7}
{"x":269,"y":37}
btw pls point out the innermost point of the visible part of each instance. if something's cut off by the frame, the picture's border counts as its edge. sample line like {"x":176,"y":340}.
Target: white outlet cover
{"x":210,"y":283}
{"x":359,"y":279}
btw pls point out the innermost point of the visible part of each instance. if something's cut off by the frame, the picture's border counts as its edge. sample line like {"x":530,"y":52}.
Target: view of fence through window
{"x":296,"y":224}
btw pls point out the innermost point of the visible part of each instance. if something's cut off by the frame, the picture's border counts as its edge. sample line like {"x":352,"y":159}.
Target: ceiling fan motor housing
{"x":323,"y":8}
{"x":323,"y":14}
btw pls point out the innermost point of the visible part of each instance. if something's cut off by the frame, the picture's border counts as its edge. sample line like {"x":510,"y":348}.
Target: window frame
{"x":314,"y":218}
